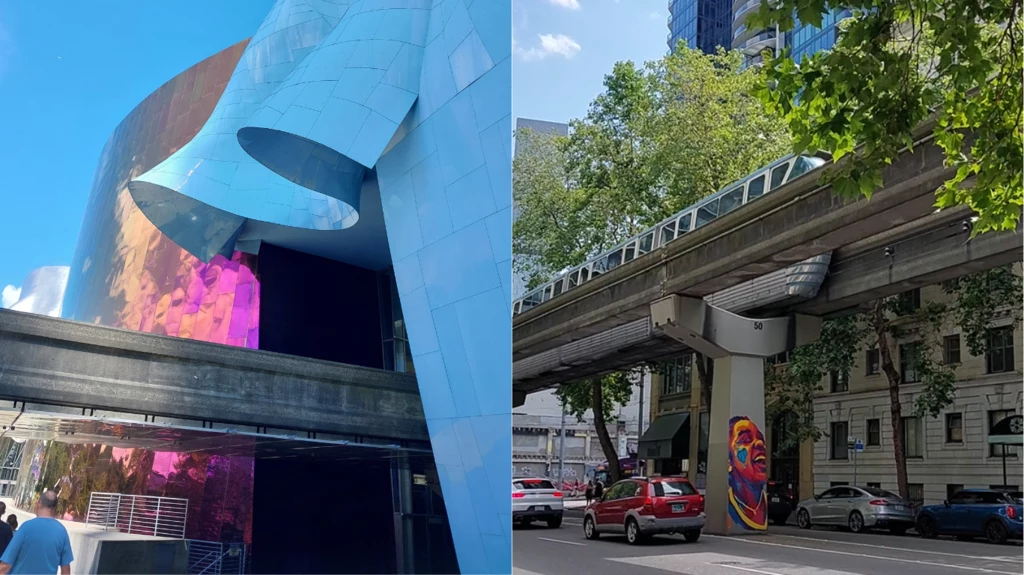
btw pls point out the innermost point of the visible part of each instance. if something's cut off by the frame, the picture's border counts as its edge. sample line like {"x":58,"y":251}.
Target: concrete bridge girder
{"x":91,"y":369}
{"x":799,"y":220}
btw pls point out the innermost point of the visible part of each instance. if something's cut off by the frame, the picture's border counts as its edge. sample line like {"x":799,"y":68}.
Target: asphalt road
{"x":787,"y":550}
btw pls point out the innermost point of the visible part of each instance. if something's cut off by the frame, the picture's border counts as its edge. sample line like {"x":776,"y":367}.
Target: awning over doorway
{"x":1007,"y":431}
{"x":668,"y":437}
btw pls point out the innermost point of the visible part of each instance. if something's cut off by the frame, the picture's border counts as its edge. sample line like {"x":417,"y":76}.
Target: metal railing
{"x":138,"y":514}
{"x":212,"y":558}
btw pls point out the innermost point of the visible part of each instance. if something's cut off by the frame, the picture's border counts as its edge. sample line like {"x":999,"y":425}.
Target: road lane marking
{"x":747,"y":569}
{"x":835,"y":552}
{"x":920,"y":551}
{"x":562,"y":541}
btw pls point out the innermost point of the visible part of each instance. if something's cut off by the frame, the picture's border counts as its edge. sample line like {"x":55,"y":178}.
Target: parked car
{"x":536,"y":499}
{"x":994,"y":515}
{"x":858,"y":508}
{"x":640,"y":507}
{"x":780,"y":503}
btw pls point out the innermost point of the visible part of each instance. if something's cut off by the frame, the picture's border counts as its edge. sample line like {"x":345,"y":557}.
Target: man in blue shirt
{"x":40,"y":545}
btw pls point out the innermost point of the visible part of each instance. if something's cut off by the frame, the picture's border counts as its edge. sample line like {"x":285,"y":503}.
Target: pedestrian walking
{"x":590,"y":491}
{"x":6,"y":531}
{"x":598,"y":490}
{"x":41,"y":545}
{"x":12,"y":520}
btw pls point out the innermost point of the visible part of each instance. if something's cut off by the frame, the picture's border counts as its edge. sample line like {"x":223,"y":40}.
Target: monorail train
{"x":698,"y":215}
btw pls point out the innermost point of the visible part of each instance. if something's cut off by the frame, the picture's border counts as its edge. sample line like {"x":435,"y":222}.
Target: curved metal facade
{"x":125,"y":272}
{"x":408,"y":102}
{"x":42,"y":291}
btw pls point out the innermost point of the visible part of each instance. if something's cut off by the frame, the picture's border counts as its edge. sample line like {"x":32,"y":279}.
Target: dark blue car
{"x":994,"y":515}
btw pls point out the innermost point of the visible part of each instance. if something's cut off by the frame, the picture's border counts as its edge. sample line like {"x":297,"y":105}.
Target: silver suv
{"x":536,"y":499}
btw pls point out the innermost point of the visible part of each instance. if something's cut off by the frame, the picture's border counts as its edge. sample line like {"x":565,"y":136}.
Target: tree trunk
{"x":602,"y":433}
{"x":705,"y":373}
{"x":880,"y":325}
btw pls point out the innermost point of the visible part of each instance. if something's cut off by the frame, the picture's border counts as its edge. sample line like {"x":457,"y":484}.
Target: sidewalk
{"x":574,"y":503}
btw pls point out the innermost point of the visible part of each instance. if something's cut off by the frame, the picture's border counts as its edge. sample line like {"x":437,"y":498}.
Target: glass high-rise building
{"x":802,"y":40}
{"x":703,"y":24}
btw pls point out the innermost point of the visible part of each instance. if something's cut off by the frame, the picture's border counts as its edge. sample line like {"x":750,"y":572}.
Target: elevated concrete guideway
{"x":858,"y":274}
{"x":799,"y":220}
{"x":92,"y":370}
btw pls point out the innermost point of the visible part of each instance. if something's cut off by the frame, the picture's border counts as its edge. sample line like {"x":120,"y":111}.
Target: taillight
{"x":1011,"y":512}
{"x":879,"y":502}
{"x":557,"y":494}
{"x":649,"y":505}
{"x":518,"y":495}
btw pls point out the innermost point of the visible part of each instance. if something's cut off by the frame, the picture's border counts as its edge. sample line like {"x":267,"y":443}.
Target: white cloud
{"x":550,"y":45}
{"x":656,"y":16}
{"x":570,"y":4}
{"x":9,"y":296}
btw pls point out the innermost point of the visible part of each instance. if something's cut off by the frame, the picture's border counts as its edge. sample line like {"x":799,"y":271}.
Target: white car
{"x":536,"y":499}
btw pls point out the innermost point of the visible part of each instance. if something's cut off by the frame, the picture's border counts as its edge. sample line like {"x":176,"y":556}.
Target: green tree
{"x":895,"y":64}
{"x":658,"y":138}
{"x":909,"y":340}
{"x":600,"y":395}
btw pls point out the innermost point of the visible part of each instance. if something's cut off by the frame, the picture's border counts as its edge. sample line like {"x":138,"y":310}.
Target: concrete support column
{"x":736,"y":497}
{"x":737,"y":453}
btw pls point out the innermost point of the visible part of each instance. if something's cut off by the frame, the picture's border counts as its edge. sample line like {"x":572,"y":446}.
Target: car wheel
{"x":692,"y":536}
{"x":856,"y":522}
{"x":901,"y":530}
{"x":803,"y":519}
{"x":590,"y":528}
{"x":633,"y":535}
{"x":927,"y":528}
{"x":995,"y":532}
{"x":555,"y":522}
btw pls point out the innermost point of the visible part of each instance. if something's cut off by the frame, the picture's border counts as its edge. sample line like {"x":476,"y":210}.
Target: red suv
{"x":641,"y":507}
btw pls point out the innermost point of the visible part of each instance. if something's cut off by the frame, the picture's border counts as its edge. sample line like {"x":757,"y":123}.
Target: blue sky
{"x":564,"y":48}
{"x":70,"y":70}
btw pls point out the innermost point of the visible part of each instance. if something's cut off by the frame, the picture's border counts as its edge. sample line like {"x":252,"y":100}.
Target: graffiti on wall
{"x":218,"y":488}
{"x":748,"y":475}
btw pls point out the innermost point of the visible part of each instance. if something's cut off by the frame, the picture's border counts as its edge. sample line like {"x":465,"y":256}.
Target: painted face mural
{"x":748,"y":474}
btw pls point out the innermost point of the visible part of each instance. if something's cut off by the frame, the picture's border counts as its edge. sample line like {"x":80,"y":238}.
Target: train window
{"x":707,"y":213}
{"x":584,"y":275}
{"x":755,"y":188}
{"x":801,"y":166}
{"x":629,"y":253}
{"x":646,"y":243}
{"x":778,"y":175}
{"x":517,"y":308}
{"x":573,"y":280}
{"x":730,"y":201}
{"x":558,"y":286}
{"x":600,"y":266}
{"x":547,"y":292}
{"x":668,"y":233}
{"x":614,"y":259}
{"x":533,"y":299}
{"x":684,"y":223}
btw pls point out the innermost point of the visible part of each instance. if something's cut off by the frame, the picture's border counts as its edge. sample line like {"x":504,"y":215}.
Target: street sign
{"x":859,"y":446}
{"x":851,"y":442}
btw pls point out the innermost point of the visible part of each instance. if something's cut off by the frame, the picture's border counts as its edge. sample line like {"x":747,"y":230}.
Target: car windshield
{"x":1017,"y":496}
{"x":528,"y":484}
{"x":672,"y":488}
{"x":875,"y":492}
